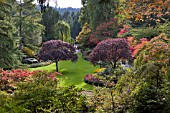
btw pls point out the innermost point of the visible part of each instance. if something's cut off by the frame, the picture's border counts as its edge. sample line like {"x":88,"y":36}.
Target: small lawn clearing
{"x":73,"y":73}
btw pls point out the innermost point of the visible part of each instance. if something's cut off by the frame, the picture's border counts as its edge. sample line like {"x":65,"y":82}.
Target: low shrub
{"x":41,"y":94}
{"x":149,"y":99}
{"x":107,"y":77}
{"x":102,"y":100}
{"x":9,"y":79}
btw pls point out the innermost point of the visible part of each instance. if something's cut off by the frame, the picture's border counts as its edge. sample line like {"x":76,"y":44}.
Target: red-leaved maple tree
{"x":56,"y":50}
{"x":111,"y":51}
{"x":104,"y":31}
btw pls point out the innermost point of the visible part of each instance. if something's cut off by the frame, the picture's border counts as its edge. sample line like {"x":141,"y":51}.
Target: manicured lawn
{"x":73,"y":73}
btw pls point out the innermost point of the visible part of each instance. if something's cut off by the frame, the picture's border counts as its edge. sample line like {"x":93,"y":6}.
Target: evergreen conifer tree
{"x":8,"y":41}
{"x":28,"y":24}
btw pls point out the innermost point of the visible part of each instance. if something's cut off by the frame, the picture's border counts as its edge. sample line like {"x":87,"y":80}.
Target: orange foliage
{"x":132,"y":41}
{"x":104,"y":31}
{"x":135,"y":47}
{"x":139,"y":46}
{"x":140,"y":9}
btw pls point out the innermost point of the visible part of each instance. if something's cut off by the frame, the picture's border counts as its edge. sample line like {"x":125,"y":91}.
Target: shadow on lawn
{"x":72,"y":77}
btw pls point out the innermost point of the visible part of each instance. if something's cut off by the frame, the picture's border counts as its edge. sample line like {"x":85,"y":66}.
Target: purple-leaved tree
{"x":56,"y":50}
{"x":111,"y":51}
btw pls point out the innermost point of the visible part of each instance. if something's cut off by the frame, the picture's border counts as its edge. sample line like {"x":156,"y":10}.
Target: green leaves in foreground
{"x":41,"y":94}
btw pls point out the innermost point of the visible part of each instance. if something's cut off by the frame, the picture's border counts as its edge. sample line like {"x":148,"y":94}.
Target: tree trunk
{"x":113,"y":64}
{"x":56,"y":66}
{"x":20,"y":26}
{"x":62,"y":36}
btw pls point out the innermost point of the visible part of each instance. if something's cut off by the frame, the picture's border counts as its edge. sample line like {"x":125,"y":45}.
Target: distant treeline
{"x":70,"y":9}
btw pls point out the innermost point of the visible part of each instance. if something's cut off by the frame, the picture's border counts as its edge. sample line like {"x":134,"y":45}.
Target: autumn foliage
{"x":157,"y":49}
{"x":123,"y":31}
{"x":136,"y":45}
{"x":141,"y":9}
{"x":103,"y":31}
{"x":111,"y":51}
{"x":8,"y":79}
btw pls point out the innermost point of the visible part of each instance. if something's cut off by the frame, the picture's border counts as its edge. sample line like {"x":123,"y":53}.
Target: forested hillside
{"x":69,"y":9}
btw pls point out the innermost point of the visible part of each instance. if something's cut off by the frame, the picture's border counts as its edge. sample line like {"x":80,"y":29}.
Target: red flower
{"x":57,"y":73}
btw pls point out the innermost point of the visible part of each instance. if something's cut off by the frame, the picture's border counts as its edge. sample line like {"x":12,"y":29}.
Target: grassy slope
{"x":73,"y":73}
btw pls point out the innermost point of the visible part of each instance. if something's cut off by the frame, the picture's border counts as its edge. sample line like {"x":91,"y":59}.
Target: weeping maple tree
{"x":56,"y":50}
{"x":111,"y":51}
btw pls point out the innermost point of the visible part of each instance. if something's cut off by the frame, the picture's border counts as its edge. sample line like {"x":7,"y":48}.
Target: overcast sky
{"x":67,"y":3}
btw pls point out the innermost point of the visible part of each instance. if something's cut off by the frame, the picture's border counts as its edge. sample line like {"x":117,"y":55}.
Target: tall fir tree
{"x":28,"y":24}
{"x":72,"y":19}
{"x":49,"y":18}
{"x":9,"y":54}
{"x":98,"y":13}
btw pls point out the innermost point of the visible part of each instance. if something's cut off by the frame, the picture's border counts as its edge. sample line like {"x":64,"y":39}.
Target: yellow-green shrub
{"x":28,"y":52}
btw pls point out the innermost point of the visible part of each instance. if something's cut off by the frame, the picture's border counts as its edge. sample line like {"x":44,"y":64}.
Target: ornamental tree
{"x":111,"y":51}
{"x":56,"y":50}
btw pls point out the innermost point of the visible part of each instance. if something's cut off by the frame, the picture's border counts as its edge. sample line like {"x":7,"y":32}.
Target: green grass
{"x":73,"y":73}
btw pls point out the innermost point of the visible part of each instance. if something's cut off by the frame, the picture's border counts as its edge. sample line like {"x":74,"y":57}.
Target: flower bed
{"x":92,"y":79}
{"x":99,"y":80}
